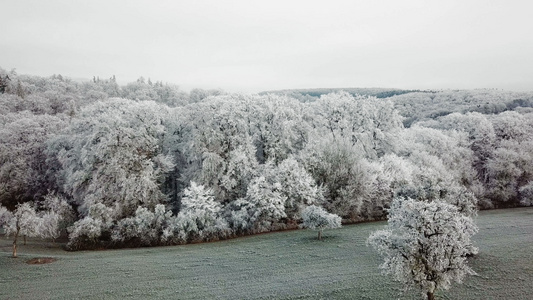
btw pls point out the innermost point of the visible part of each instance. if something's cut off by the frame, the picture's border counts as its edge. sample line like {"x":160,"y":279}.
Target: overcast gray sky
{"x":251,"y":46}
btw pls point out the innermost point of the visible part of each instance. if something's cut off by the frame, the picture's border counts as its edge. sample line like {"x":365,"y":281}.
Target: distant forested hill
{"x":430,"y":105}
{"x":418,"y":105}
{"x":307,"y":95}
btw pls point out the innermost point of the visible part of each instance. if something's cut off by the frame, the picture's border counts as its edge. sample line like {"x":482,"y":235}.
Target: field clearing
{"x":284,"y":265}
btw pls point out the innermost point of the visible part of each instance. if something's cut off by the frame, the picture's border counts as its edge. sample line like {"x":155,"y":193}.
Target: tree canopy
{"x":148,"y":164}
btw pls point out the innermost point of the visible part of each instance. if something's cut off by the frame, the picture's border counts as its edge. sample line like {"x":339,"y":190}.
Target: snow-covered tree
{"x":279,"y":127}
{"x":59,"y":206}
{"x":511,"y":125}
{"x":269,"y":203}
{"x":348,"y":180}
{"x":293,"y":182}
{"x":452,"y":147}
{"x":262,"y":207}
{"x":26,"y":221}
{"x":316,"y":218}
{"x":112,"y":154}
{"x":25,"y":171}
{"x":480,"y":133}
{"x":425,"y":244}
{"x":332,"y":165}
{"x":145,"y":228}
{"x":197,"y":95}
{"x":509,"y":168}
{"x":87,"y":232}
{"x":427,"y":172}
{"x":200,"y":216}
{"x":365,"y":122}
{"x":4,"y":215}
{"x":526,"y":193}
{"x":141,"y":90}
{"x":218,"y":146}
{"x":23,"y":222}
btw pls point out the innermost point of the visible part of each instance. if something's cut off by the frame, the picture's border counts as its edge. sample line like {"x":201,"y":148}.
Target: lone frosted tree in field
{"x":425,"y":244}
{"x":316,"y":218}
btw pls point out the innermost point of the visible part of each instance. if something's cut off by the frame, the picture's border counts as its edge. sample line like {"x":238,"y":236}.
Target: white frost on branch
{"x":425,"y":244}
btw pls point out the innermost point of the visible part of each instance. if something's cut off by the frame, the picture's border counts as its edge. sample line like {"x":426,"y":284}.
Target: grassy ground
{"x":286,"y":265}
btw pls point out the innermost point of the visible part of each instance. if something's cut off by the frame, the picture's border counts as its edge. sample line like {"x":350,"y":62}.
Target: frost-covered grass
{"x":285,"y":265}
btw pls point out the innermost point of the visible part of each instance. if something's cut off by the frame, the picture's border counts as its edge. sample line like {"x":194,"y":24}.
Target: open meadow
{"x":283,"y":265}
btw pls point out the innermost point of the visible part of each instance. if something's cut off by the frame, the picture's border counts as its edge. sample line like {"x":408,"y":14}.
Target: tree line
{"x":148,"y":164}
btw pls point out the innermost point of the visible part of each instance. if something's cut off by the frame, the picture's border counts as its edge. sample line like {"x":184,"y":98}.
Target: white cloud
{"x":253,"y":46}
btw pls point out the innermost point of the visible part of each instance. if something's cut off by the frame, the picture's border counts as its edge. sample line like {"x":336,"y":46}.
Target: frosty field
{"x":285,"y":265}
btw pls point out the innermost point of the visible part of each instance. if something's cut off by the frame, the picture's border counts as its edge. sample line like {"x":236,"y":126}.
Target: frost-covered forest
{"x":149,"y":164}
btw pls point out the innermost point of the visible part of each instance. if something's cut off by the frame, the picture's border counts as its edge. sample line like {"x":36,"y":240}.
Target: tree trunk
{"x":320,"y":235}
{"x":24,"y":240}
{"x":15,"y":238}
{"x":15,"y":245}
{"x":431,"y":296}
